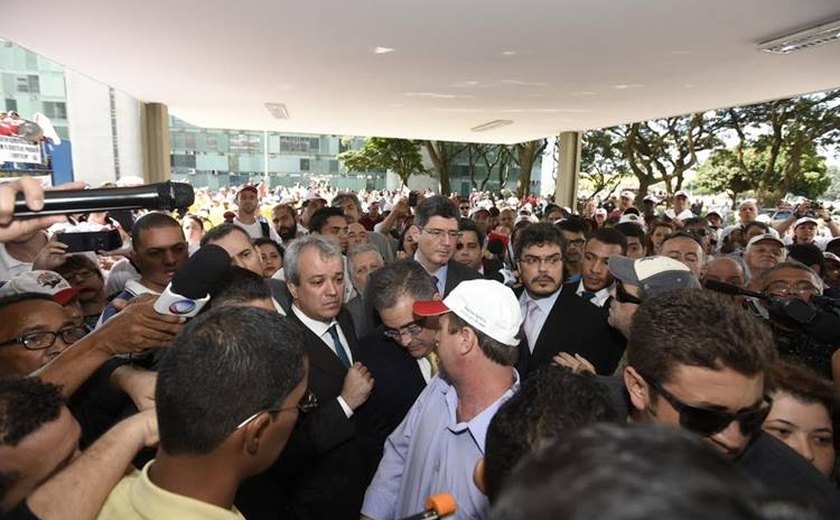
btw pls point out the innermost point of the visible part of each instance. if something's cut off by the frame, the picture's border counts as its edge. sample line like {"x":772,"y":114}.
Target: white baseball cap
{"x":632,"y":218}
{"x":681,"y":193}
{"x":765,"y":237}
{"x":806,"y":220}
{"x":41,"y":282}
{"x":486,"y":305}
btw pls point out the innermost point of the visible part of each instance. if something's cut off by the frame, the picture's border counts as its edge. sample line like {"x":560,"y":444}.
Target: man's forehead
{"x":30,"y":313}
{"x":443,"y":223}
{"x":549,"y":247}
{"x":790,"y":275}
{"x":161,"y":237}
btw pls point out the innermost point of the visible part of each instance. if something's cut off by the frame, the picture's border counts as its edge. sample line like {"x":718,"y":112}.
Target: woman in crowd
{"x":271,"y":254}
{"x":82,"y":273}
{"x":193,"y":231}
{"x":660,"y":231}
{"x":804,"y":414}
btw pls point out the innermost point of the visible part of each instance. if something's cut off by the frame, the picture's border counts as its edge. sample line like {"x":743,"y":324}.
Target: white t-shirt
{"x":255,"y":230}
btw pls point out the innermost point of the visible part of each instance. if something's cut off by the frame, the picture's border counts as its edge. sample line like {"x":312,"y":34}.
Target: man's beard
{"x":287,"y":234}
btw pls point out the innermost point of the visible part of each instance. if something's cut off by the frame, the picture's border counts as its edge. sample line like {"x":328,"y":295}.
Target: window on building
{"x":55,"y":109}
{"x":304,"y":165}
{"x":10,"y":104}
{"x":28,"y":84}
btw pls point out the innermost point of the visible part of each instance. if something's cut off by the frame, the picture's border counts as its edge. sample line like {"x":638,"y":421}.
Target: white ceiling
{"x":547,"y":65}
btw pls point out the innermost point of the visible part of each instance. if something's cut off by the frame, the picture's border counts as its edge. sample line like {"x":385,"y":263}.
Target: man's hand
{"x":12,"y":228}
{"x":138,"y":383}
{"x":358,"y":383}
{"x":577,"y":363}
{"x":137,"y":327}
{"x":51,"y":256}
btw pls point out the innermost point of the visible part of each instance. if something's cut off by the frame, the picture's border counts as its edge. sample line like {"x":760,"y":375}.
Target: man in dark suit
{"x":556,"y":319}
{"x":436,"y":234}
{"x":323,"y":467}
{"x":399,"y":354}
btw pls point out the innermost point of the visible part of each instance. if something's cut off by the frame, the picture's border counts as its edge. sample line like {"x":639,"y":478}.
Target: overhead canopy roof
{"x":545,"y":65}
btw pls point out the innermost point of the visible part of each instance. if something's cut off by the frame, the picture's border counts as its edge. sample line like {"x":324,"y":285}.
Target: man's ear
{"x":468,"y":340}
{"x":478,"y":476}
{"x":254,"y":431}
{"x":292,"y":289}
{"x":637,"y":387}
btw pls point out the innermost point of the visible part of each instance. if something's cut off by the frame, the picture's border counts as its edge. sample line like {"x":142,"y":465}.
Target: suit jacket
{"x":320,"y":474}
{"x":398,"y":383}
{"x":457,"y":273}
{"x":577,"y":327}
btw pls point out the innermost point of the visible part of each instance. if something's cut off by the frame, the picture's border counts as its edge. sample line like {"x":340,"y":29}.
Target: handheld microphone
{"x":163,"y":196}
{"x":190,"y":287}
{"x":437,"y":506}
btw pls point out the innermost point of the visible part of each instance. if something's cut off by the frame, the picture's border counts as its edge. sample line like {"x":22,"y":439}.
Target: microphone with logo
{"x":191,"y":285}
{"x":438,"y":506}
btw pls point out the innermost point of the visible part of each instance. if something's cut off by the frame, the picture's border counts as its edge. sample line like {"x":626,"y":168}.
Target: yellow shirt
{"x":136,"y":497}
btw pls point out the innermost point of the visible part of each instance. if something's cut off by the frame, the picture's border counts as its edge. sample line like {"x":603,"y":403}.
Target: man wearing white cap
{"x":441,"y":439}
{"x":248,"y":214}
{"x":680,"y":211}
{"x":761,"y":254}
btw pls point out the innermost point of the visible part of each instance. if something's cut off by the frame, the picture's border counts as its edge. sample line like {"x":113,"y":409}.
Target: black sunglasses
{"x":708,"y":421}
{"x":623,"y":296}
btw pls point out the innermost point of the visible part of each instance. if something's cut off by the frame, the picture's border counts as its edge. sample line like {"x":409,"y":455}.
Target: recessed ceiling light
{"x":491,"y":125}
{"x":383,"y":50}
{"x":812,"y":37}
{"x":508,"y":53}
{"x":625,"y":87}
{"x":278,"y":110}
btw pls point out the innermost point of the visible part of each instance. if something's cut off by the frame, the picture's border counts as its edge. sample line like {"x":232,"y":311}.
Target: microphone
{"x":437,"y":506}
{"x":734,"y":290}
{"x":190,"y":287}
{"x":821,"y":325}
{"x":162,"y":196}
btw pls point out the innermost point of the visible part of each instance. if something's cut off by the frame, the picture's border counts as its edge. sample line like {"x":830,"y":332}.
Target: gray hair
{"x":326,"y":248}
{"x":738,"y":259}
{"x":359,"y":249}
{"x":793,"y":264}
{"x":403,"y":277}
{"x":339,"y":199}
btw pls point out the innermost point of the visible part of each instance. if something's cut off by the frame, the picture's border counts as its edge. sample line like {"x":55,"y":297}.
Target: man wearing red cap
{"x":441,"y":439}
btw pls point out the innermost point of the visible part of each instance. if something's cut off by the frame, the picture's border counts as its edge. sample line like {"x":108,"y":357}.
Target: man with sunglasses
{"x":400,"y":353}
{"x":216,"y":431}
{"x":436,"y":233}
{"x":697,"y":361}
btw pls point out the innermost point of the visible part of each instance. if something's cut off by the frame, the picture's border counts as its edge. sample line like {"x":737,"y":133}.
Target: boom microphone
{"x":190,"y":287}
{"x":437,"y":506}
{"x":734,"y":290}
{"x":162,"y":196}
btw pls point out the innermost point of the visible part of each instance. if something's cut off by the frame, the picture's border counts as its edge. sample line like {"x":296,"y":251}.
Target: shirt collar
{"x":545,"y":304}
{"x":317,"y":326}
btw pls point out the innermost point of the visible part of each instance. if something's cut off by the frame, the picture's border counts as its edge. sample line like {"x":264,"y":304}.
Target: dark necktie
{"x":588,"y":296}
{"x":339,"y":348}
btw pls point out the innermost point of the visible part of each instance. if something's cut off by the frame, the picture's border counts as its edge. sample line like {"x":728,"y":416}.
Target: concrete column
{"x":568,"y":169}
{"x":156,"y":144}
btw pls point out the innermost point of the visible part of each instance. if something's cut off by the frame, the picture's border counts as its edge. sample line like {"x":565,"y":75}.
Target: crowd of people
{"x":360,"y":352}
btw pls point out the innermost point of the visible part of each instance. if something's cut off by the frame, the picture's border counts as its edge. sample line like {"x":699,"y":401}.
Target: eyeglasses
{"x":552,"y":260}
{"x":307,"y":403}
{"x":440,"y":233}
{"x":708,"y":421}
{"x":623,"y":296}
{"x":412,"y":329}
{"x":41,"y":340}
{"x":786,"y":289}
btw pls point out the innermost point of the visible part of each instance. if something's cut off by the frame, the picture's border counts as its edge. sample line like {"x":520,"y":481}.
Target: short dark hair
{"x":466,"y":224}
{"x":435,"y":206}
{"x":808,"y":254}
{"x":320,"y":217}
{"x":75,"y":262}
{"x":153,"y":220}
{"x":224,"y":366}
{"x":552,"y":401}
{"x":573,"y":224}
{"x":628,"y":229}
{"x":239,"y":286}
{"x":26,"y":405}
{"x":698,"y":328}
{"x":288,"y":207}
{"x":495,"y":351}
{"x":537,"y":235}
{"x":340,"y":198}
{"x":763,"y":226}
{"x":221,"y":231}
{"x":619,"y":472}
{"x":13,"y":299}
{"x":610,"y":236}
{"x":403,"y":277}
{"x":265,"y":241}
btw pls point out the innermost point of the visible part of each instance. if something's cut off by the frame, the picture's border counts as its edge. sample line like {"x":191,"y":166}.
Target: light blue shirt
{"x":431,"y":452}
{"x":440,"y":274}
